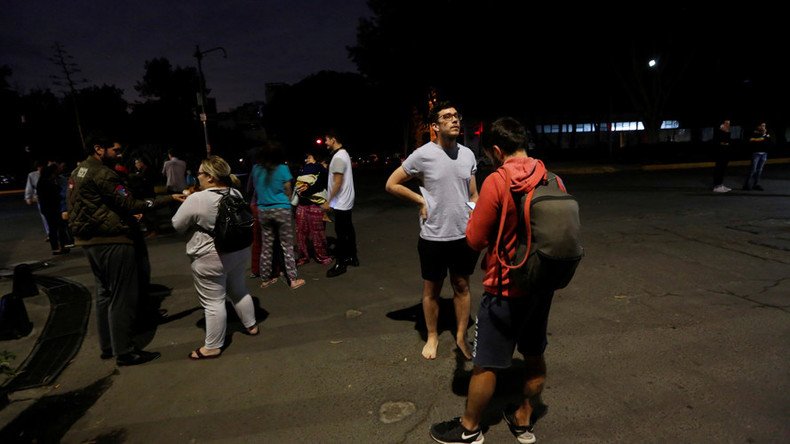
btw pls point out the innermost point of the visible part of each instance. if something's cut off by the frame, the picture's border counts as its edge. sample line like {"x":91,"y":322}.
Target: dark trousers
{"x":346,"y":246}
{"x":722,"y":159}
{"x":115,"y":268}
{"x":58,"y":231}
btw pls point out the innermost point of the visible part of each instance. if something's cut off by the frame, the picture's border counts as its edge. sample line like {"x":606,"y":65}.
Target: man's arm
{"x":473,"y":189}
{"x":30,"y":192}
{"x":337,"y":182}
{"x":395,"y":187}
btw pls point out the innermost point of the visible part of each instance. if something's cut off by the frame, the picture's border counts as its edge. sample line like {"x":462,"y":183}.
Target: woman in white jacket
{"x":217,"y":276}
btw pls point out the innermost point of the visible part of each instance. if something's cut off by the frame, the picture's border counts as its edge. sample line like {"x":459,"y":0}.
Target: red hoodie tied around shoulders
{"x":482,"y":230}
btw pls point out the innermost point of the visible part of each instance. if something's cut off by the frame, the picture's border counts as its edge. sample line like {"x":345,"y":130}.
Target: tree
{"x":168,"y":116}
{"x":300,"y":113}
{"x":69,"y":81}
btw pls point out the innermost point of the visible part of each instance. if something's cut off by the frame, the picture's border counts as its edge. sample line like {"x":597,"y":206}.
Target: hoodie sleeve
{"x":484,"y":221}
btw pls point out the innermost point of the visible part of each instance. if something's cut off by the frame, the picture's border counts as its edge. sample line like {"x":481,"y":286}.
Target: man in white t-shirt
{"x":175,"y":170}
{"x":340,"y":198}
{"x":446,"y":171}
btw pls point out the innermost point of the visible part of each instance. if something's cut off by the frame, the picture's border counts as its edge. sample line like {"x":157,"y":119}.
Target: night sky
{"x":266,"y":41}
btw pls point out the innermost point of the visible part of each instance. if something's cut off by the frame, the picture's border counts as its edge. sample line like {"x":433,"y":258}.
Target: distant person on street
{"x":340,"y":198}
{"x":760,"y":142}
{"x":31,"y":194}
{"x":507,"y":318}
{"x":272,"y":182}
{"x":143,"y":184}
{"x":102,"y":218}
{"x":175,"y":170}
{"x":50,"y":202}
{"x":721,"y":140}
{"x":310,"y":225}
{"x":446,"y":171}
{"x":218,"y":276}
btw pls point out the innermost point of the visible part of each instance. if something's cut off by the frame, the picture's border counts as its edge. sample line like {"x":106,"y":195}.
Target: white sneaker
{"x":721,"y":189}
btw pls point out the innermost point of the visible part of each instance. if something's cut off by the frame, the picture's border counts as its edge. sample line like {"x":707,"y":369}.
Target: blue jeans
{"x":758,"y":161}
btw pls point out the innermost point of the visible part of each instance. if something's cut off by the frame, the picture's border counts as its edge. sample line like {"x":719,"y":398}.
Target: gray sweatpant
{"x":217,"y":277}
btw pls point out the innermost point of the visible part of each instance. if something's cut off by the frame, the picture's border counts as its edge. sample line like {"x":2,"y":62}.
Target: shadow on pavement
{"x":59,"y":412}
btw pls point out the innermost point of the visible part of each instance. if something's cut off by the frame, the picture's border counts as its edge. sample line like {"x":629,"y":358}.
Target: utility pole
{"x":202,"y":97}
{"x":63,"y":59}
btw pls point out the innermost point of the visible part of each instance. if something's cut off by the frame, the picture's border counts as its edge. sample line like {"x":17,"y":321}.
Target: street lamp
{"x":203,"y":117}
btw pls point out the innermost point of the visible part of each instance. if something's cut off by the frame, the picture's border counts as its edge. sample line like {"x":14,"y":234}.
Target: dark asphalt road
{"x":675,"y":329}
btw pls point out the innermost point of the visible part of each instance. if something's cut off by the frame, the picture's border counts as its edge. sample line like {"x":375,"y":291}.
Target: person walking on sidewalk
{"x":721,"y":140}
{"x":760,"y":142}
{"x":102,"y":218}
{"x":31,"y":193}
{"x":507,"y":317}
{"x":446,"y":170}
{"x":340,"y":198}
{"x":217,"y":276}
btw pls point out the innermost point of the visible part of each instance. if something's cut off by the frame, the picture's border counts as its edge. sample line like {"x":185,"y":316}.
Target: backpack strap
{"x":499,"y":250}
{"x":221,"y":194}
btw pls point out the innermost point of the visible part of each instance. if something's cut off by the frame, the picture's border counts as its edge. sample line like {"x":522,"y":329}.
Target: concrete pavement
{"x":675,"y":327}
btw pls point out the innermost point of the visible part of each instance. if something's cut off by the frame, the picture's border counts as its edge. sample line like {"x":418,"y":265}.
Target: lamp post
{"x":203,"y":117}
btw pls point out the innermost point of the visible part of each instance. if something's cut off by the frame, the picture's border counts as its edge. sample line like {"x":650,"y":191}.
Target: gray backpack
{"x":549,"y":237}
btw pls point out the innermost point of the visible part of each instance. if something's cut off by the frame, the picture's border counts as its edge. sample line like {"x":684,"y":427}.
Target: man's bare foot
{"x":429,"y":350}
{"x":464,"y":347}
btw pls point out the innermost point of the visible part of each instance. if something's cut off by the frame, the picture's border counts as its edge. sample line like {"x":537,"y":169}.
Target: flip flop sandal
{"x":200,"y":356}
{"x":267,"y":283}
{"x":297,"y":283}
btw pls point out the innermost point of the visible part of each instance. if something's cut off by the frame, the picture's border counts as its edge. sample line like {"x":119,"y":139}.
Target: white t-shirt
{"x":344,"y":199}
{"x":445,"y":178}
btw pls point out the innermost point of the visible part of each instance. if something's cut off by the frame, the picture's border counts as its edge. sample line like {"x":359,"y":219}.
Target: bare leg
{"x":535,"y":379}
{"x":481,"y":389}
{"x":430,"y":308}
{"x":462,"y":302}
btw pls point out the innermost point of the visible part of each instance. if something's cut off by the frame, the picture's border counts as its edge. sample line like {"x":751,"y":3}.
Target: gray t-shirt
{"x":444,"y":178}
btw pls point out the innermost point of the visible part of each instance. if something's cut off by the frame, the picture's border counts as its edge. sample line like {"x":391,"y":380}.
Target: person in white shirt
{"x":446,"y":171}
{"x":31,"y":194}
{"x":175,"y":170}
{"x":340,"y":198}
{"x":217,"y":276}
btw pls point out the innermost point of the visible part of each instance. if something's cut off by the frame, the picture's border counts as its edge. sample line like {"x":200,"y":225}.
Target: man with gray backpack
{"x":530,"y":227}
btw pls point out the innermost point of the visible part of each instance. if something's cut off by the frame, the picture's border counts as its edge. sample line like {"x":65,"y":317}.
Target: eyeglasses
{"x":450,"y":116}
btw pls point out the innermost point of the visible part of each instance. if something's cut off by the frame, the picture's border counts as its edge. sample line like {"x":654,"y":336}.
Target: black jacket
{"x":101,"y":209}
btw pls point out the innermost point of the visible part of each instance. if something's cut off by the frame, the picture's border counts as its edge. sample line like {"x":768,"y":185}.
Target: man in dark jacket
{"x":102,"y":218}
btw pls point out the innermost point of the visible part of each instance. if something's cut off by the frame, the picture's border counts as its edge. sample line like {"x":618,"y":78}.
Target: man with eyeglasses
{"x":446,"y":172}
{"x":102,"y":219}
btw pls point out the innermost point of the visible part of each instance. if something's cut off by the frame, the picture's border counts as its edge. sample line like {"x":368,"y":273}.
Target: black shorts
{"x":502,"y":323}
{"x":436,"y":257}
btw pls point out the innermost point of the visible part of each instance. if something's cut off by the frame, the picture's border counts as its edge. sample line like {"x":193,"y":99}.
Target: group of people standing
{"x":760,"y":141}
{"x":456,"y":224}
{"x":104,"y":217}
{"x":318,"y":190}
{"x":46,"y":187}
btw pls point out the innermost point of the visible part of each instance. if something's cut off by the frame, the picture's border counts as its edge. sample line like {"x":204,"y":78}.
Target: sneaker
{"x":336,"y":270}
{"x":453,"y":432}
{"x":524,"y":434}
{"x":721,"y":189}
